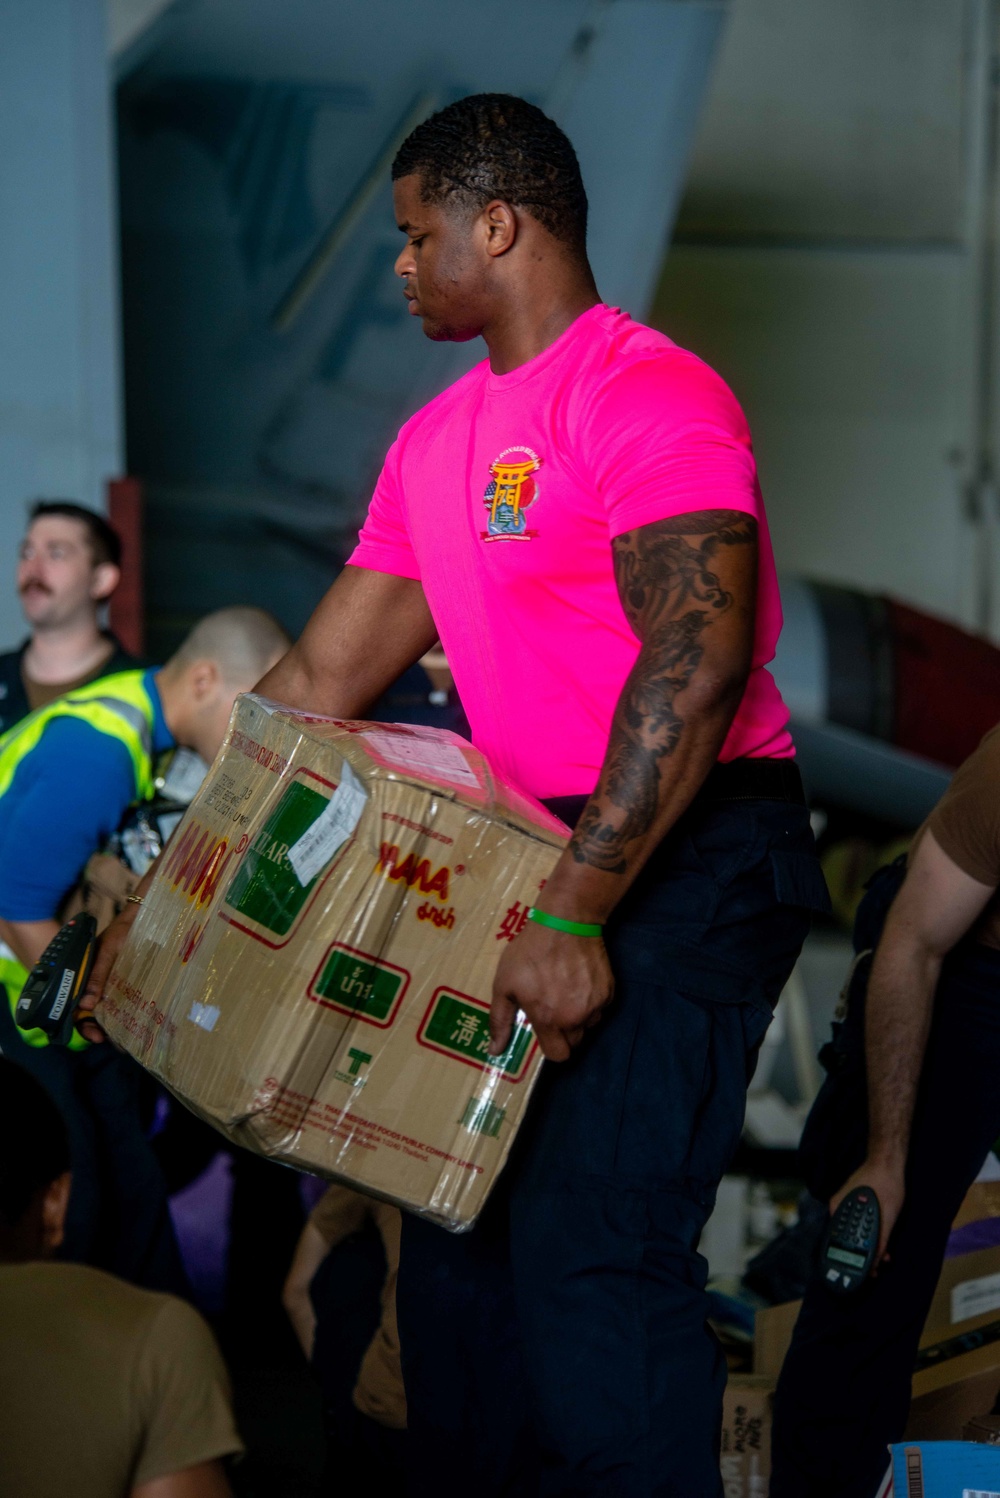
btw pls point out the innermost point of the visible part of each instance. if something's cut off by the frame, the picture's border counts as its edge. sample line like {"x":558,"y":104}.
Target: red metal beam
{"x":127,"y":609}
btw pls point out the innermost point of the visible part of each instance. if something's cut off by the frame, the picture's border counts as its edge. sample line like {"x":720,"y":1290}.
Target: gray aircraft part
{"x":269,"y":356}
{"x":820,"y":668}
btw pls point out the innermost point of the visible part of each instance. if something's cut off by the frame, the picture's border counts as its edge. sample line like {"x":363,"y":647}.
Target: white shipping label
{"x":975,"y":1297}
{"x":184,"y":777}
{"x":424,"y":757}
{"x":331,"y":829}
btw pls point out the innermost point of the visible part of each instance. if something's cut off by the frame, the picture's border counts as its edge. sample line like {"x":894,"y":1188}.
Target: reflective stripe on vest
{"x":119,"y":706}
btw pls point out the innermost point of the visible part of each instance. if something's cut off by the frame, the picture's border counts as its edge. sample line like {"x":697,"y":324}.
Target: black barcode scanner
{"x":851,"y":1242}
{"x":56,"y":983}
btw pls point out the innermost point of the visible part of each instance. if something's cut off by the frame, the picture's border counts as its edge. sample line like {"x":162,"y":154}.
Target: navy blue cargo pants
{"x":844,"y":1391}
{"x":562,"y":1346}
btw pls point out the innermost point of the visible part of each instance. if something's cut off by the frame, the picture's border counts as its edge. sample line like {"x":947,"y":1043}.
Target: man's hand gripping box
{"x":311,"y":971}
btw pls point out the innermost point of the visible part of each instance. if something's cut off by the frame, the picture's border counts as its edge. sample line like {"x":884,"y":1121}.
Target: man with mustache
{"x":69,"y":566}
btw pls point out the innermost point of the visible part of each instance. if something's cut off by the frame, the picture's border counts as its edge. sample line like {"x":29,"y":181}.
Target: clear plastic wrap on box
{"x":312,"y":968}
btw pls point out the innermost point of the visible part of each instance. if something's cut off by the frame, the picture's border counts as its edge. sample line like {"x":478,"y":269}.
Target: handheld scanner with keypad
{"x":851,"y":1242}
{"x":57,"y":981}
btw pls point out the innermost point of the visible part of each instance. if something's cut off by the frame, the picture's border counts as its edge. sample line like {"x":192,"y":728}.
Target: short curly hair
{"x":499,"y":146}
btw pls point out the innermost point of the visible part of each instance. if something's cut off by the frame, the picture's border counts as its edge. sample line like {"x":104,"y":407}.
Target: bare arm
{"x":310,"y":1251}
{"x":28,"y":939}
{"x":935,"y":908}
{"x":367,"y":630}
{"x":688,"y":586}
{"x":206,"y":1480}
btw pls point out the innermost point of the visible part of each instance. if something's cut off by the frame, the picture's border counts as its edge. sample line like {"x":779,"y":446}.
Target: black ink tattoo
{"x":671,"y":596}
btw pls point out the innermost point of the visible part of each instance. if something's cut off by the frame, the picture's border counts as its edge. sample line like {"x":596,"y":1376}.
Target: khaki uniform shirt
{"x":379,"y":1389}
{"x":103,"y":1386}
{"x":41,"y":693}
{"x":966,"y":825}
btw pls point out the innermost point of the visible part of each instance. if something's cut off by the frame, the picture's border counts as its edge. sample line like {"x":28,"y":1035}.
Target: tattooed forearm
{"x":646,"y":729}
{"x":671,"y":596}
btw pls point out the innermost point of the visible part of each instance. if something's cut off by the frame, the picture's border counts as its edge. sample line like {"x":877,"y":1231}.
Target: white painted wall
{"x":827,"y":262}
{"x":59,"y":366}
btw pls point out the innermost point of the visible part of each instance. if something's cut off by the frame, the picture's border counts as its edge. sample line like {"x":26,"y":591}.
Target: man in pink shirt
{"x":578,"y":519}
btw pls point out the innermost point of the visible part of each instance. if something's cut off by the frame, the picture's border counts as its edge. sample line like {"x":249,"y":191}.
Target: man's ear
{"x":104,"y":580}
{"x":54,"y":1205}
{"x":501,"y":227}
{"x":204,"y":678}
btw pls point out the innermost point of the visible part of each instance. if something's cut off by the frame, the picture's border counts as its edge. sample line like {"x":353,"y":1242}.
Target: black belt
{"x":738,"y":780}
{"x":754,"y":780}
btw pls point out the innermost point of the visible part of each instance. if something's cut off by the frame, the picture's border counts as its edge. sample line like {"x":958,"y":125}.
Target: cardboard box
{"x":942,"y":1469}
{"x":311,"y":971}
{"x":982,"y":1200}
{"x":983,"y":1428}
{"x":943,"y":1406}
{"x":772,"y":1337}
{"x":745,"y":1456}
{"x":967,"y":1298}
{"x":967,"y":1295}
{"x":949,"y":1391}
{"x":944,"y":1398}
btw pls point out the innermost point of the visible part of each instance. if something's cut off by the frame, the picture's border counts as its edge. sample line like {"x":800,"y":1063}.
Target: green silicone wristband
{"x":572,"y":928}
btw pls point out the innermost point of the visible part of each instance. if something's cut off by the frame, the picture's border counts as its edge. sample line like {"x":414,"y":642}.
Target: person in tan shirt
{"x":932,"y":1055}
{"x":106,"y":1391}
{"x":367,"y":1438}
{"x":965,"y":825}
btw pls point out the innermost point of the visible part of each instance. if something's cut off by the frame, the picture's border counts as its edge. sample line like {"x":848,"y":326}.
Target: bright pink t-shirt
{"x":502,"y":496}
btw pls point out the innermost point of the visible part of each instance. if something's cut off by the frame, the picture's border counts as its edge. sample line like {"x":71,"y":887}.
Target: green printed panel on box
{"x":480,"y":1116}
{"x":366,"y":987}
{"x":266,"y":888}
{"x":461,"y":1027}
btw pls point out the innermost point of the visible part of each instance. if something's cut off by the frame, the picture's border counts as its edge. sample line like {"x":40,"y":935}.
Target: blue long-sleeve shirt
{"x":67,"y":796}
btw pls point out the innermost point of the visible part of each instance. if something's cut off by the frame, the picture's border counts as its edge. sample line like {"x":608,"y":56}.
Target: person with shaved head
{"x":68,"y":773}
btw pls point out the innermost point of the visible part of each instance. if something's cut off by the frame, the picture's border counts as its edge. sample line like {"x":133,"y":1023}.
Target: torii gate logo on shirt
{"x":511,"y":490}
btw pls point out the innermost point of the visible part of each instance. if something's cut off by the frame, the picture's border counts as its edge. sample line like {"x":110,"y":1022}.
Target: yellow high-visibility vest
{"x":119,"y":706}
